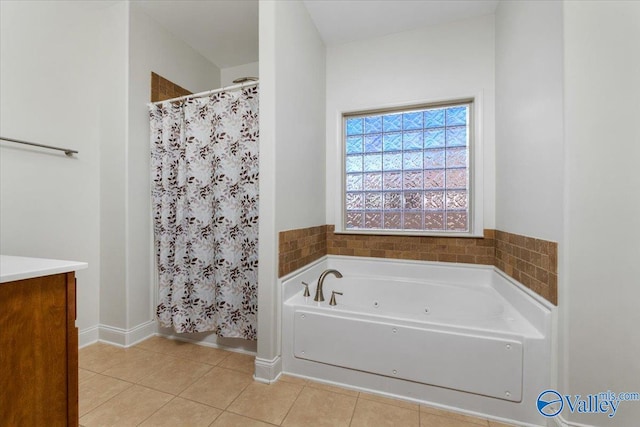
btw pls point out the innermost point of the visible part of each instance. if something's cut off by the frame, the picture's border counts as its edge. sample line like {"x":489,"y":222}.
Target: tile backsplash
{"x":446,"y":249}
{"x":300,"y":247}
{"x":533,"y":262}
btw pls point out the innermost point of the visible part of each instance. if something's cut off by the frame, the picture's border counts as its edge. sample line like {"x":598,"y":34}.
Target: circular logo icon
{"x":550,"y":403}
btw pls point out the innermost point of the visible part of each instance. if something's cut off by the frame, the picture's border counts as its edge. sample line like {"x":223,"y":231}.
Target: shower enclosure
{"x":204,"y":171}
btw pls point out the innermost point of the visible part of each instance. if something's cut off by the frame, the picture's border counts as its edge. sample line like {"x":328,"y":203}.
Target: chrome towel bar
{"x":67,"y":151}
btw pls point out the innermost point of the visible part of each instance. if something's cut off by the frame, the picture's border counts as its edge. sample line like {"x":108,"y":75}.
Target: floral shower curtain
{"x":204,"y":165}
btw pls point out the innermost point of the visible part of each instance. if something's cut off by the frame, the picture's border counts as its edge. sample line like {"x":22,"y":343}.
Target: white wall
{"x":111,"y":99}
{"x":228,"y":75}
{"x":529,"y":130}
{"x":77,"y":74}
{"x":49,"y":93}
{"x":292,"y":149}
{"x":443,"y":62}
{"x":602,"y":89}
{"x":300,"y":109}
{"x":529,"y":139}
{"x":268,"y":349}
{"x":150,"y":48}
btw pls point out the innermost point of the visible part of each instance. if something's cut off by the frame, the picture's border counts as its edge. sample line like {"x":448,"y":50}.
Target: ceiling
{"x":226,"y":31}
{"x":223,"y":31}
{"x":342,"y":21}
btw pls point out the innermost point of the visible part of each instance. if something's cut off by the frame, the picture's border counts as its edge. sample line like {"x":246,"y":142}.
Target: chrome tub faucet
{"x":319,"y":296}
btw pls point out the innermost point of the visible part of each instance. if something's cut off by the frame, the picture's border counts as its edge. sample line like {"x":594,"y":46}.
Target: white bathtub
{"x":453,"y":335}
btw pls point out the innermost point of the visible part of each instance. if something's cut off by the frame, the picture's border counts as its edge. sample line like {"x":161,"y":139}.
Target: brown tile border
{"x":532,"y":262}
{"x":297,"y":248}
{"x":448,"y":249}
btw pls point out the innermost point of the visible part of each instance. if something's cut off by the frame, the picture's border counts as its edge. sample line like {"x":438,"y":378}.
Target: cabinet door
{"x":34,"y":361}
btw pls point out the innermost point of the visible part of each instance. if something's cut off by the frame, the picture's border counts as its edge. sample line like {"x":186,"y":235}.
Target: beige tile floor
{"x":162,"y":382}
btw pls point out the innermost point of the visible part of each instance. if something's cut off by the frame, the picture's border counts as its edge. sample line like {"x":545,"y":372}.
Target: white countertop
{"x":19,"y":268}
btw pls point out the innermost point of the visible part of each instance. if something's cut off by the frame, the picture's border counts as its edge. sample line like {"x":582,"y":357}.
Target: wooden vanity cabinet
{"x":39,"y":352}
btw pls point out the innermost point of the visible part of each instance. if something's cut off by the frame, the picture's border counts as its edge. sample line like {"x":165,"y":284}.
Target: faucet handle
{"x":333,"y":297}
{"x":306,"y":289}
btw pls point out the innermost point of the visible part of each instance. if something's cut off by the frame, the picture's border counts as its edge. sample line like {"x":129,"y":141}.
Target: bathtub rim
{"x":499,"y":286}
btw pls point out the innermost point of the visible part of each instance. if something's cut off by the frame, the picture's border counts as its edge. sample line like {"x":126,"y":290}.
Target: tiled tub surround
{"x":300,"y":247}
{"x":444,"y":249}
{"x":533,"y":262}
{"x":452,"y":335}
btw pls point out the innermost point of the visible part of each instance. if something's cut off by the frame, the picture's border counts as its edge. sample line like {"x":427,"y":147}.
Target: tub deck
{"x":451,"y":335}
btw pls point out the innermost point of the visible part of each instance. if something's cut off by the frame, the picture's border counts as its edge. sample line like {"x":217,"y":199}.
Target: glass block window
{"x":408,"y":170}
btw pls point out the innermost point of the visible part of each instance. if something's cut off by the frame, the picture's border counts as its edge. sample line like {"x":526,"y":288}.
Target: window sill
{"x":417,"y":233}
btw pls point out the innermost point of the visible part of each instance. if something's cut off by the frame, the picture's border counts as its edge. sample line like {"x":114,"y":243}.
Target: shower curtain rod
{"x":206,"y":93}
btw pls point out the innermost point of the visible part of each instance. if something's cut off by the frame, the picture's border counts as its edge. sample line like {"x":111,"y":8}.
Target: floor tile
{"x":158,"y":344}
{"x":210,"y":380}
{"x":431,"y":420}
{"x":499,"y":424}
{"x":315,"y":407}
{"x":227,"y":419}
{"x":83,"y":375}
{"x":175,"y":375}
{"x":137,"y":367}
{"x":198,"y":353}
{"x":266,"y":402}
{"x":99,"y":357}
{"x":239,"y":362}
{"x":96,"y":390}
{"x":390,"y":401}
{"x":201,"y":354}
{"x":335,"y":389}
{"x":128,"y":408}
{"x":182,"y":412}
{"x":218,"y":387}
{"x":453,"y":415}
{"x":370,"y":413}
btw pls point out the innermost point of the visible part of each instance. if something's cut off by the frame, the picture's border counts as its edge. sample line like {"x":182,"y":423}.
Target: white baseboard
{"x":127,"y":337}
{"x":268,"y":371}
{"x":211,"y":340}
{"x":117,"y":336}
{"x":88,"y":336}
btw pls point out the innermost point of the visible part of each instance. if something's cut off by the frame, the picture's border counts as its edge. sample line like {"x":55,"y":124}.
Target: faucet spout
{"x":319,"y":296}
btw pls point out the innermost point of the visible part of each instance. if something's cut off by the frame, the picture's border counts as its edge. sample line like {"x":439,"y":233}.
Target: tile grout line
{"x":163,"y":391}
{"x":294,"y":402}
{"x":235,"y":398}
{"x":154,"y":412}
{"x":173,"y":396}
{"x":131,"y":384}
{"x":109,"y":399}
{"x":360,"y":396}
{"x":354,"y":409}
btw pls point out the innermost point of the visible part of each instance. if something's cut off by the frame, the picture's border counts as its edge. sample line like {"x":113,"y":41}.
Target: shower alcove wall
{"x":204,"y":170}
{"x":153,"y":44}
